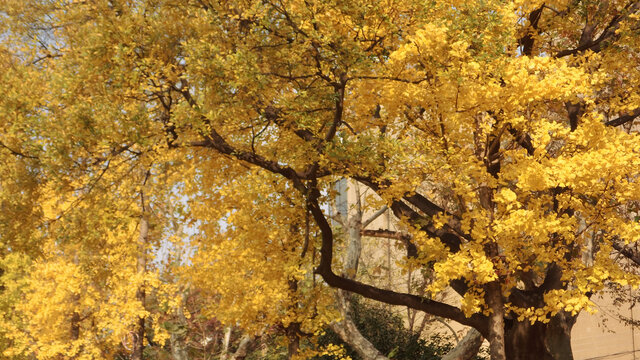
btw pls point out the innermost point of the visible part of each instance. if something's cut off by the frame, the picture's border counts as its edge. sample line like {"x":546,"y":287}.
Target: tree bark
{"x":551,"y":341}
{"x":346,"y":328}
{"x":493,"y":298}
{"x":138,"y":344}
{"x":350,"y":334}
{"x":178,"y":347}
{"x":177,"y":341}
{"x":224,"y":354}
{"x":244,"y":348}
{"x":467,"y":348}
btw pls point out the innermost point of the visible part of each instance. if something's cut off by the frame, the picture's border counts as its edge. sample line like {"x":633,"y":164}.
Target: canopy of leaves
{"x":500,"y":133}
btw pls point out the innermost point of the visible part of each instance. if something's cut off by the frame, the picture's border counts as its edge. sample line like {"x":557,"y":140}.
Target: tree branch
{"x":624,"y":118}
{"x":608,"y":32}
{"x":527,"y":40}
{"x":433,"y":307}
{"x":376,"y":215}
{"x":627,"y":252}
{"x":387,"y":234}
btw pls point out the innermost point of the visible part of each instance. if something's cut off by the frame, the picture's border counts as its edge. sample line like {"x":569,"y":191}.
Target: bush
{"x":387,"y":333}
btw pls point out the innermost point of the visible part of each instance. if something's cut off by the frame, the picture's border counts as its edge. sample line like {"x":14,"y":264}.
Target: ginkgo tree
{"x":501,"y":133}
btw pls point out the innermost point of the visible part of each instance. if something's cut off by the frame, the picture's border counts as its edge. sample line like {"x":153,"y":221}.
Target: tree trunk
{"x":467,"y":348}
{"x":244,"y":348}
{"x":551,"y":341}
{"x":350,"y":334}
{"x":178,"y":347}
{"x":178,"y":341}
{"x":496,"y":337}
{"x":294,"y":341}
{"x":346,"y":328}
{"x":138,"y":345}
{"x":224,"y":354}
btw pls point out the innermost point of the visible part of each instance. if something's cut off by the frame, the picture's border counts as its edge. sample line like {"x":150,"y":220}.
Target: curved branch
{"x":432,"y":307}
{"x":609,"y":31}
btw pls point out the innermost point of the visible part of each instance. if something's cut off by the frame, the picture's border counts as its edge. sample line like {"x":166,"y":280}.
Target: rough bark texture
{"x":551,"y":341}
{"x":178,"y":347}
{"x":467,"y":348}
{"x":496,"y":321}
{"x":293,"y":347}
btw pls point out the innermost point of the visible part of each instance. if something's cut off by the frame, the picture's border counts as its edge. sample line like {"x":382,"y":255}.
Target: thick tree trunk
{"x":294,"y":341}
{"x":495,"y":303}
{"x":496,"y":334}
{"x":551,"y":341}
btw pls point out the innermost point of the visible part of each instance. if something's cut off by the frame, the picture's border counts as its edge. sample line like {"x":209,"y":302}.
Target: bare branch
{"x":376,"y":215}
{"x":387,"y":234}
{"x":627,"y":252}
{"x":624,"y":118}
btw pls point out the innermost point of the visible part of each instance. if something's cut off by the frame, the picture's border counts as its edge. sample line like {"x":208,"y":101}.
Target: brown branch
{"x":387,"y":234}
{"x":574,"y":112}
{"x":624,"y":118}
{"x":523,"y":139}
{"x":215,"y":141}
{"x":627,"y":252}
{"x":609,"y":31}
{"x":433,"y":307}
{"x":527,"y":40}
{"x":17,"y":153}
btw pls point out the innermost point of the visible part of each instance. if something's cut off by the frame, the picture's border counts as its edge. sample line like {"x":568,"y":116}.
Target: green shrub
{"x":387,"y":333}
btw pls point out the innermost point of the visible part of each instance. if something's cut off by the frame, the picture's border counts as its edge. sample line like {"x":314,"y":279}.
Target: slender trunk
{"x":75,"y":326}
{"x":467,"y":348}
{"x":138,"y":345}
{"x":177,"y":341}
{"x":346,"y":328}
{"x":495,"y":303}
{"x":75,"y":332}
{"x":247,"y":343}
{"x":354,"y":245}
{"x":75,"y":319}
{"x":178,"y":347}
{"x":225,"y":343}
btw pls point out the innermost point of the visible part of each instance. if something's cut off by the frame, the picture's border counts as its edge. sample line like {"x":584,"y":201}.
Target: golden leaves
{"x":431,"y":98}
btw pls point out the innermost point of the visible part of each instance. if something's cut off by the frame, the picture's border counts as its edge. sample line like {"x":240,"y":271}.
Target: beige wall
{"x":603,"y":335}
{"x":595,"y":337}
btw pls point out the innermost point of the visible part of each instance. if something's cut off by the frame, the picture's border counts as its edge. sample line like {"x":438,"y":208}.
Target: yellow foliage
{"x":505,"y":144}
